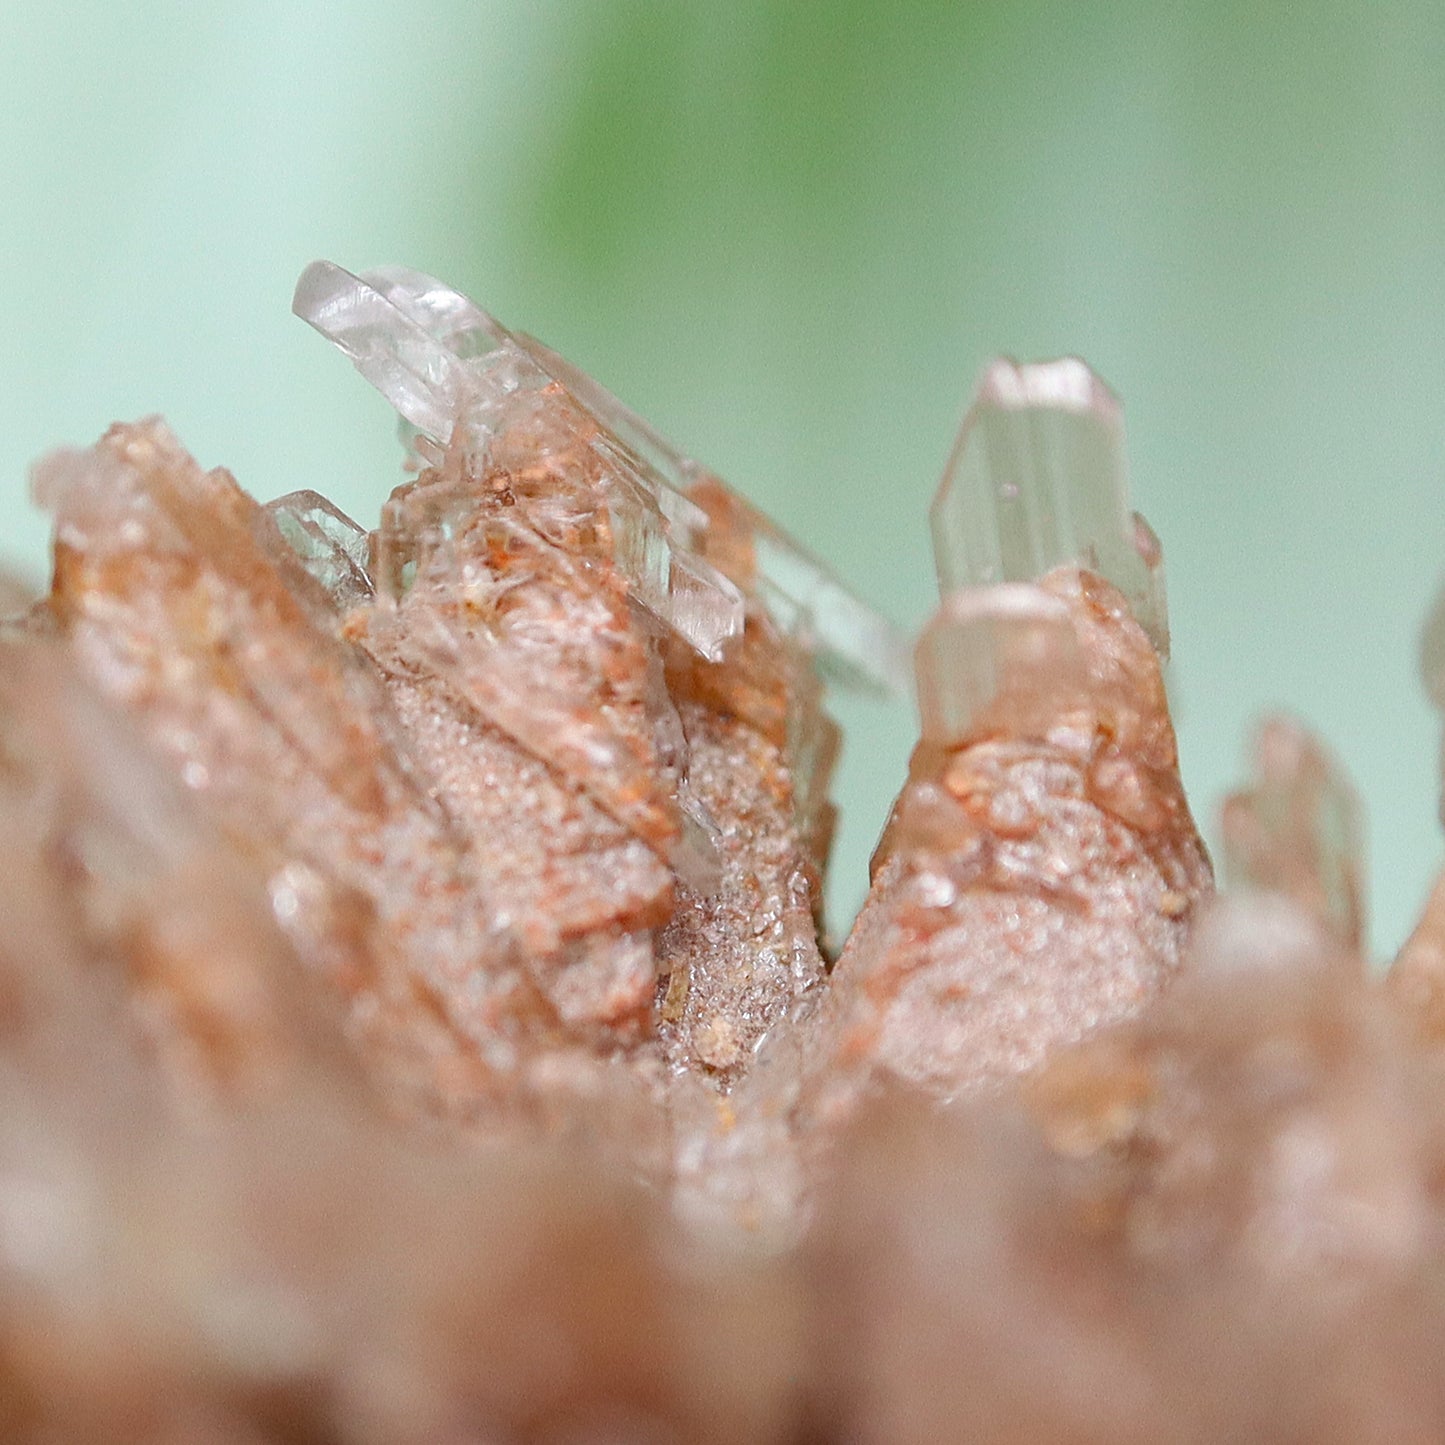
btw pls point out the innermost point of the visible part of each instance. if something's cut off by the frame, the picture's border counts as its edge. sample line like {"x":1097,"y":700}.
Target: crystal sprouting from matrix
{"x":1037,"y":480}
{"x":854,"y":646}
{"x":414,"y":1023}
{"x":458,"y":376}
{"x":1001,"y":648}
{"x":331,"y":547}
{"x":444,"y":363}
{"x":1297,"y":830}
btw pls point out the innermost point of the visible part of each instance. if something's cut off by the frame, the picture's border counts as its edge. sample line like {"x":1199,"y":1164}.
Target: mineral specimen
{"x":413,"y":1023}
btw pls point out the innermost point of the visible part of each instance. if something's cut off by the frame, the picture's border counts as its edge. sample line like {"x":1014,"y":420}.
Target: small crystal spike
{"x":443,"y":362}
{"x":332,"y":548}
{"x":1037,"y":480}
{"x":1297,"y":830}
{"x":1011,"y":647}
{"x":855,"y":647}
{"x":419,"y":375}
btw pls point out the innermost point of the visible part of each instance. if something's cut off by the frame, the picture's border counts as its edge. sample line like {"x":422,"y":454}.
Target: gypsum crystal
{"x":1207,"y":1212}
{"x":376,"y":319}
{"x":444,"y":364}
{"x":1036,"y":481}
{"x":672,"y":552}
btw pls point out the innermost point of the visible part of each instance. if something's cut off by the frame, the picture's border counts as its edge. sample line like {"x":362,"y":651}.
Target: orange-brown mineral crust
{"x":413,"y":1024}
{"x":1034,"y":882}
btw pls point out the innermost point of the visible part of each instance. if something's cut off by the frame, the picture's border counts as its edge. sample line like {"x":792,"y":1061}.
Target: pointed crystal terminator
{"x":420,"y":376}
{"x":441,"y":360}
{"x":1298,"y":830}
{"x":332,"y":548}
{"x":1037,"y":480}
{"x":1007,"y":655}
{"x":855,"y":647}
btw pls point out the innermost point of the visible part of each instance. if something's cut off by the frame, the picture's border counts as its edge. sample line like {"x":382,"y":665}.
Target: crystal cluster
{"x":413,"y":1020}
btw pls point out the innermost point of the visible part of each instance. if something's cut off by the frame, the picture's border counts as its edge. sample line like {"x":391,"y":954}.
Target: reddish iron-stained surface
{"x":413,"y":1026}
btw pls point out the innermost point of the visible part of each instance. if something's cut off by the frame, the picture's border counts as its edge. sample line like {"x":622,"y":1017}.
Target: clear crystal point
{"x":1298,"y":830}
{"x":439,"y":358}
{"x":1010,"y":648}
{"x":419,"y":375}
{"x":446,"y":315}
{"x":331,"y":547}
{"x":854,"y":645}
{"x":1037,"y":480}
{"x":442,"y":362}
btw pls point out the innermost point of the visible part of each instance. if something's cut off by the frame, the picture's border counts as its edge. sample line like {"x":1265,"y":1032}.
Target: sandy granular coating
{"x":413,"y":1026}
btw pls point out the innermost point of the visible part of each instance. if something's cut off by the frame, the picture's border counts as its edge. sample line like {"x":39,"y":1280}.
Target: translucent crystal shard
{"x":1010,"y":647}
{"x":418,"y":374}
{"x":1037,"y":480}
{"x":854,"y":646}
{"x":439,"y":358}
{"x":1297,"y":830}
{"x":458,"y":375}
{"x":332,"y":548}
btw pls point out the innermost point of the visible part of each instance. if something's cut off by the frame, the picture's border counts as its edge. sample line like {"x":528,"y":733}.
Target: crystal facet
{"x":450,"y":369}
{"x":649,"y":475}
{"x":413,"y":1023}
{"x":1011,"y":643}
{"x":855,"y":646}
{"x":1036,"y":481}
{"x":332,"y":548}
{"x":1297,"y":830}
{"x":1041,"y":867}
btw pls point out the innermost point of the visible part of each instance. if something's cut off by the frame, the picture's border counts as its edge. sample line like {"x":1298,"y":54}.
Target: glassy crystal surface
{"x":408,"y":332}
{"x":444,"y":363}
{"x":854,"y":645}
{"x":419,"y":375}
{"x":372,"y":1069}
{"x":332,"y":548}
{"x":1010,"y":643}
{"x":1297,"y":829}
{"x":1037,"y":480}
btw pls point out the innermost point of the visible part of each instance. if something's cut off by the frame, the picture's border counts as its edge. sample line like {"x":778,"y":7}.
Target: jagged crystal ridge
{"x":439,"y":359}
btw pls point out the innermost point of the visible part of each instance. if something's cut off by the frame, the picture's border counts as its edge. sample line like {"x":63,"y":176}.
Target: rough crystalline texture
{"x":1040,"y":869}
{"x":412,"y":1021}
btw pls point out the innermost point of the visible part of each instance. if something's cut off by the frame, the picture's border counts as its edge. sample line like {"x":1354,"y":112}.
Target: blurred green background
{"x":790,"y":234}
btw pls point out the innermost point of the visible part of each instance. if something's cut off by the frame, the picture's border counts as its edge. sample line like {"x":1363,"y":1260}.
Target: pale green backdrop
{"x":791,"y":233}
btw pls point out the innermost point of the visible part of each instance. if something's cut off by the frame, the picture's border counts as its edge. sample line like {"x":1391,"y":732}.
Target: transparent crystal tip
{"x":1037,"y":480}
